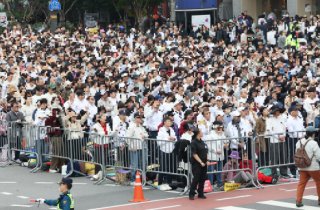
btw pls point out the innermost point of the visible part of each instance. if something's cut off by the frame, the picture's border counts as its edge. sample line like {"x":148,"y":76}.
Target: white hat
{"x":220,"y":78}
{"x":242,"y":108}
{"x":219,"y":98}
{"x":132,"y":94}
{"x":121,"y":85}
{"x":221,"y":113}
{"x":262,"y":74}
{"x":235,"y":114}
{"x":176,"y":103}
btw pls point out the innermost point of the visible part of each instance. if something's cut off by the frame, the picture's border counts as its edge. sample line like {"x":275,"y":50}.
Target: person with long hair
{"x":199,"y":158}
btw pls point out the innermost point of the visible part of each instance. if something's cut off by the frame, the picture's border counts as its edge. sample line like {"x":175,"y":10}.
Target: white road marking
{"x":291,"y":190}
{"x":236,"y":197}
{"x":233,"y":208}
{"x":165,"y":207}
{"x":22,"y":197}
{"x":311,"y":197}
{"x":77,"y":183}
{"x":6,"y":193}
{"x":8,"y":182}
{"x":173,"y":191}
{"x":23,"y":206}
{"x":287,"y":205}
{"x":44,"y":182}
{"x":183,"y":197}
{"x":111,"y":185}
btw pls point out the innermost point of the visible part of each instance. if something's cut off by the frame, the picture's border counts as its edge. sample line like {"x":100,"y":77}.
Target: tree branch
{"x":71,"y":6}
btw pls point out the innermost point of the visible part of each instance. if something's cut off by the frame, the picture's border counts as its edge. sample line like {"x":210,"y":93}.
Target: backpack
{"x":301,"y":157}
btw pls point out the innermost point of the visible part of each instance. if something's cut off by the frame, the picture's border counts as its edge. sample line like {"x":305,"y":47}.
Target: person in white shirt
{"x":234,"y":132}
{"x":80,"y":102}
{"x":178,"y":113}
{"x":276,"y":131}
{"x":206,"y":122}
{"x":217,"y":143}
{"x":309,"y":102}
{"x":92,"y":109}
{"x":295,"y":131}
{"x":27,"y":109}
{"x":42,"y":113}
{"x":137,"y":134}
{"x":120,"y":127}
{"x":168,"y":162}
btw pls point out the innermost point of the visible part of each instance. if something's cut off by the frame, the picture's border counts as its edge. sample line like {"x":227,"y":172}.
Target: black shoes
{"x":202,"y":197}
{"x":299,"y":204}
{"x":191,"y":198}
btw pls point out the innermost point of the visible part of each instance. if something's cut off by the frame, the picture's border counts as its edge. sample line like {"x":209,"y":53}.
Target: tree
{"x":138,"y":8}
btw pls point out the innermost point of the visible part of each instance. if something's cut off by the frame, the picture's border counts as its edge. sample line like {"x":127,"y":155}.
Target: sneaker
{"x":168,"y":187}
{"x":162,"y":187}
{"x":52,"y":171}
{"x":17,"y":161}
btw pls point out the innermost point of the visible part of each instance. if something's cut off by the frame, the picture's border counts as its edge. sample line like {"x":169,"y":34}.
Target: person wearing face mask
{"x":216,"y":141}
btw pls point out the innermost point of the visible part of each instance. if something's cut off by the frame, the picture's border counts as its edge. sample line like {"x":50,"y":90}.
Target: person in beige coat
{"x":313,"y":171}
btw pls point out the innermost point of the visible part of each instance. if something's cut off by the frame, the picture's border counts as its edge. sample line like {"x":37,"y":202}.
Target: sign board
{"x":307,"y":8}
{"x":3,"y":19}
{"x":195,"y":4}
{"x":54,"y":5}
{"x":198,"y":20}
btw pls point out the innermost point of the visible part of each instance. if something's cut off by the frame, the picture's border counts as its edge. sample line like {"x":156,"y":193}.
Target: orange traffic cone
{"x":207,"y":186}
{"x":138,"y":192}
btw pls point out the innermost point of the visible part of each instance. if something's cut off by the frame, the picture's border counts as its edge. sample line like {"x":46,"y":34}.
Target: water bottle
{"x":64,"y":170}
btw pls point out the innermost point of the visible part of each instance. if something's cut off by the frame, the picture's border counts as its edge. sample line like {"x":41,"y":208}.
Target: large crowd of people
{"x":235,"y":79}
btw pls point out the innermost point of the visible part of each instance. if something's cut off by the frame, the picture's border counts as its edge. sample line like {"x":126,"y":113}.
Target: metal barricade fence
{"x":163,"y":161}
{"x":21,"y":139}
{"x":231,"y":159}
{"x":4,"y":145}
{"x":276,"y":151}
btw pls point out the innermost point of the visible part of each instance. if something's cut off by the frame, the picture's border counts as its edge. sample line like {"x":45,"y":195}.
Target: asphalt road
{"x":18,"y":186}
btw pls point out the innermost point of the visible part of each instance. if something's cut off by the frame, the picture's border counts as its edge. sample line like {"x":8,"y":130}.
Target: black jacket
{"x":181,"y":150}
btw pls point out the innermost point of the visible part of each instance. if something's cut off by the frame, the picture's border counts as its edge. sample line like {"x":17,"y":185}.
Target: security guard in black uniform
{"x":199,"y":151}
{"x":65,"y":201}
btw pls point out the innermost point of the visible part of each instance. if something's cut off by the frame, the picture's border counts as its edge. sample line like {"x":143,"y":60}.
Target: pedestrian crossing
{"x":273,"y":204}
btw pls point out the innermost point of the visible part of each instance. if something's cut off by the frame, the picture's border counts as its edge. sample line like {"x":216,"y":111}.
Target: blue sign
{"x":54,"y":5}
{"x":195,"y":4}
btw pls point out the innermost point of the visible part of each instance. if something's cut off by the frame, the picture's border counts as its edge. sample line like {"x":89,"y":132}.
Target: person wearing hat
{"x":277,"y":143}
{"x":243,"y":177}
{"x":313,"y":171}
{"x":234,"y":132}
{"x":119,"y":127}
{"x":217,"y":143}
{"x":65,"y":200}
{"x":295,"y":127}
{"x":137,"y":134}
{"x":199,"y":158}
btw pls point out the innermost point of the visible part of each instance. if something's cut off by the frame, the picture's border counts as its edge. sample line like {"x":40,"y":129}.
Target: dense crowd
{"x":235,"y":79}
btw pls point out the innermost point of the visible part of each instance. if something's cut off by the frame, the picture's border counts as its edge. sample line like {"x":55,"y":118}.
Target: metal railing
{"x":155,"y":156}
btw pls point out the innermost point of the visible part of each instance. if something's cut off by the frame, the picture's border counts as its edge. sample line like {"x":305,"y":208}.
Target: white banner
{"x":198,"y":20}
{"x":3,"y":19}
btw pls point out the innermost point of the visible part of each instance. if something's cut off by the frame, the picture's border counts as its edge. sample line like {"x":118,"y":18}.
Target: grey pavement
{"x":18,"y":186}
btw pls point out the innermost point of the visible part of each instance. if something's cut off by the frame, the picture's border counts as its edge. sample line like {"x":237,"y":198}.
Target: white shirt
{"x":295,"y":125}
{"x":178,"y":117}
{"x":137,"y":134}
{"x":276,"y":126}
{"x":233,"y":133}
{"x":79,"y":105}
{"x":163,"y":141}
{"x":153,"y":119}
{"x":186,"y":136}
{"x":215,"y":144}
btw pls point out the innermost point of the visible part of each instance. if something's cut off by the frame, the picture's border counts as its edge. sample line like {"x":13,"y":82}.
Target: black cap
{"x":67,"y":181}
{"x":137,"y":115}
{"x":311,"y":89}
{"x":122,"y":112}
